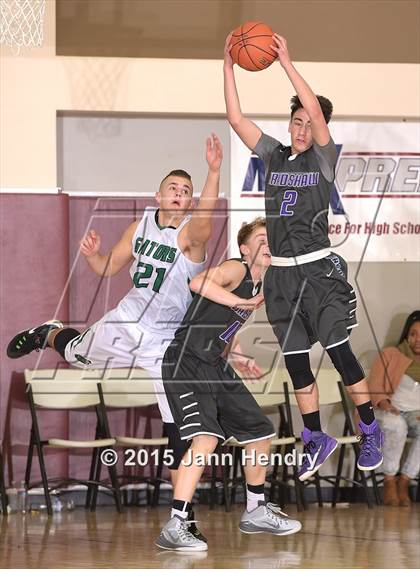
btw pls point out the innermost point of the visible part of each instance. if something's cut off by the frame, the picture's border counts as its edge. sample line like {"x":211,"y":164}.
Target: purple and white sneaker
{"x":371,"y":442}
{"x":318,"y":447}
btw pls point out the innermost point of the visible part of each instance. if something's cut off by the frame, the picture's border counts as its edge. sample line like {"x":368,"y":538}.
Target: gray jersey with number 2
{"x":297,"y":195}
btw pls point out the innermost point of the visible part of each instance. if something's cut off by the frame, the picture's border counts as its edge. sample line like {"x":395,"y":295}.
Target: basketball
{"x":251,"y":46}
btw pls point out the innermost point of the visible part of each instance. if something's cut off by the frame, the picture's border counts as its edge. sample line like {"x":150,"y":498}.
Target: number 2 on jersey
{"x":289,"y":200}
{"x":146,"y":274}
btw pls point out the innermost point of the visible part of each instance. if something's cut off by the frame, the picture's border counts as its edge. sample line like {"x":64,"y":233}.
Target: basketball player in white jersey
{"x":165,"y":249}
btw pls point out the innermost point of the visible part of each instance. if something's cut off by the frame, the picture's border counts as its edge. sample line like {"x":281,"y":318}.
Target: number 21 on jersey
{"x":144,"y":272}
{"x":289,"y":200}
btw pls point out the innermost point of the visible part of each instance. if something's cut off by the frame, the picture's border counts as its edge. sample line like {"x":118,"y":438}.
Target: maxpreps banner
{"x":375,"y":204}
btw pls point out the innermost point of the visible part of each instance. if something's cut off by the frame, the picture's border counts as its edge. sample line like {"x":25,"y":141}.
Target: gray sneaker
{"x":176,"y":536}
{"x":270,"y":519}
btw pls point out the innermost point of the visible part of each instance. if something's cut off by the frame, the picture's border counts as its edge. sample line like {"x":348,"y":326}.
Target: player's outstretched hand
{"x":90,"y":244}
{"x":228,"y":46}
{"x":251,"y":303}
{"x":214,"y":152}
{"x":280,"y":47}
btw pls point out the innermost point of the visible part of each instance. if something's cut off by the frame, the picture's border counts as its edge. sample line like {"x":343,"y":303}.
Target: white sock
{"x":179,"y":513}
{"x":180,"y":509}
{"x":252,"y":499}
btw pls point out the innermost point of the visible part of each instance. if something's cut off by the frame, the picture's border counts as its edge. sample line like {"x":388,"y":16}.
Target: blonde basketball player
{"x":165,"y":249}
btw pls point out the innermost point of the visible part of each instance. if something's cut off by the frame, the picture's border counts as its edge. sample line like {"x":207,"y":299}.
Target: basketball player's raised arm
{"x":214,"y":284}
{"x":247,"y":131}
{"x":307,"y":97}
{"x":197,"y":232}
{"x":111,"y":263}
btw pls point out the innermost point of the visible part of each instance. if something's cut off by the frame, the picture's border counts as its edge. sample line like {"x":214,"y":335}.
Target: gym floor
{"x":345,"y":537}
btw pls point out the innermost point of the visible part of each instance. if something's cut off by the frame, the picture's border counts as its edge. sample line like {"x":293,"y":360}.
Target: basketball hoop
{"x":21,"y":23}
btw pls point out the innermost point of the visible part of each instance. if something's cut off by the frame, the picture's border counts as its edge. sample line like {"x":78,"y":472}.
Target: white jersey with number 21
{"x":160,"y":273}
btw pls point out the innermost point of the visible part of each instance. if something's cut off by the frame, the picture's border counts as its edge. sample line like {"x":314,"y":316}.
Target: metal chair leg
{"x":360,"y":474}
{"x":29,"y":460}
{"x":116,"y":488}
{"x":2,"y":488}
{"x":299,"y":490}
{"x":39,"y":447}
{"x":225,"y":477}
{"x":91,"y":477}
{"x":157,"y":481}
{"x":234,"y":475}
{"x":366,"y":489}
{"x":318,"y":490}
{"x":95,"y":487}
{"x":274,"y":478}
{"x":44,"y":479}
{"x":213,"y":492}
{"x":338,"y":475}
{"x":242,"y":478}
{"x":376,"y":489}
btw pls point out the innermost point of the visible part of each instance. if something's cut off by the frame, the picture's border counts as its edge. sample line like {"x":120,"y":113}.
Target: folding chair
{"x":135,"y":392}
{"x":68,"y":390}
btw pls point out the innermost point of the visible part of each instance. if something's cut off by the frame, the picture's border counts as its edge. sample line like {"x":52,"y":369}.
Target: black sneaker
{"x":29,"y":340}
{"x":192,"y":528}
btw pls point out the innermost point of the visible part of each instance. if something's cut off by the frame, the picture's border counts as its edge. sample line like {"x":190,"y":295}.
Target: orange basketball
{"x":251,"y":46}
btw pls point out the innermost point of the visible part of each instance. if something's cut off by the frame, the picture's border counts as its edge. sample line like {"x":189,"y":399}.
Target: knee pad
{"x":346,"y":363}
{"x":175,"y":444}
{"x":299,"y":368}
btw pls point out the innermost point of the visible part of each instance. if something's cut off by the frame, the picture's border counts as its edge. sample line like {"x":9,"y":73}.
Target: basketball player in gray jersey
{"x":209,"y":401}
{"x":307,"y":295}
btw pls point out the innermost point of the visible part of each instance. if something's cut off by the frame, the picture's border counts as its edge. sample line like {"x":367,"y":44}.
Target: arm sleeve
{"x":265,"y":147}
{"x":327,"y":158}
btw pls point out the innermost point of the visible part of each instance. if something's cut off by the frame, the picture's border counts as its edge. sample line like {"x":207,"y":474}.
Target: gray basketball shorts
{"x":310,"y":303}
{"x":211,"y":399}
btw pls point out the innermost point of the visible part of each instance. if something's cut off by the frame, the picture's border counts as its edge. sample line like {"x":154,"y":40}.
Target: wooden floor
{"x":352,"y":537}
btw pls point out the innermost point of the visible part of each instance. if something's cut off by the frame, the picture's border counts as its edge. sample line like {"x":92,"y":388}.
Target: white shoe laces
{"x":274,"y":512}
{"x":184,"y":533}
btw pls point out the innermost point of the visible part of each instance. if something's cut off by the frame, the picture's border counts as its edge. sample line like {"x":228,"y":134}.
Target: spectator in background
{"x":394,"y":384}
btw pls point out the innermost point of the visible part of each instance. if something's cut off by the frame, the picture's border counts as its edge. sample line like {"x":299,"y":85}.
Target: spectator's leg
{"x":411,"y":467}
{"x":395,"y":430}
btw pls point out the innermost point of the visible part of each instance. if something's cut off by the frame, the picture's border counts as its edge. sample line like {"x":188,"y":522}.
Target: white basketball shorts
{"x":114,"y":343}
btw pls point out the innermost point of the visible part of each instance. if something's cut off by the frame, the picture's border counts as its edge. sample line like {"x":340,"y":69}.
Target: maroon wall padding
{"x":43,"y":276}
{"x":34,"y":256}
{"x":90,"y":296}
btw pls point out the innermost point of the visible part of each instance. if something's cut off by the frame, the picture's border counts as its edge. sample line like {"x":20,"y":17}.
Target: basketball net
{"x":21,"y":23}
